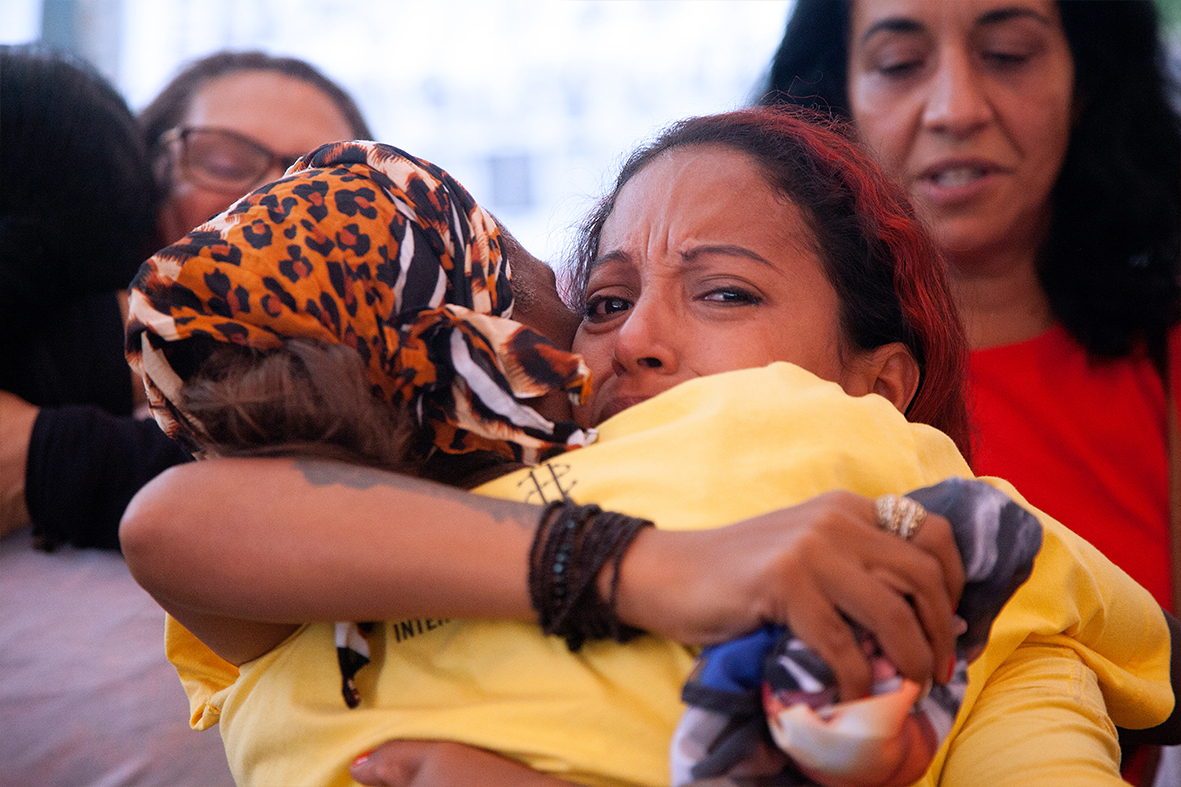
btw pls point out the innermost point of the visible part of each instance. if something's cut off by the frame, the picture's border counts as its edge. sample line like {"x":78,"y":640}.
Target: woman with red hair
{"x":748,"y":284}
{"x":886,"y":271}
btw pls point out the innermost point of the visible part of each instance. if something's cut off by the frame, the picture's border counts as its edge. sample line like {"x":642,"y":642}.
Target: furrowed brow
{"x":727,"y":249}
{"x":611,"y":256}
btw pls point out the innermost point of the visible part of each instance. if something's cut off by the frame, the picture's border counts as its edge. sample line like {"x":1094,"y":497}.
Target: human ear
{"x":889,"y":371}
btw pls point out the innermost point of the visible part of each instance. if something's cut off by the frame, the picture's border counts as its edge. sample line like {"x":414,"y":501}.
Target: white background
{"x":547,"y":94}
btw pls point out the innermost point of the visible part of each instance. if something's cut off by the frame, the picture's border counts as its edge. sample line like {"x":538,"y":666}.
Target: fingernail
{"x":361,"y":759}
{"x":950,"y":670}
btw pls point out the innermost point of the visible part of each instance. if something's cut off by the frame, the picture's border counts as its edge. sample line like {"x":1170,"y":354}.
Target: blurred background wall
{"x":530,"y":103}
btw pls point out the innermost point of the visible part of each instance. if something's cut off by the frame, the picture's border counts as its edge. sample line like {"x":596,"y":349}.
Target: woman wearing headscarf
{"x":432,"y":568}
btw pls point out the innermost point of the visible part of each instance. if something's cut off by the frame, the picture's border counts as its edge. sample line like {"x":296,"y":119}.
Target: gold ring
{"x":899,"y":515}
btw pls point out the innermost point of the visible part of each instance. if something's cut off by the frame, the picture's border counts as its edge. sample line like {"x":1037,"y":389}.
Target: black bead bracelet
{"x":572,"y":545}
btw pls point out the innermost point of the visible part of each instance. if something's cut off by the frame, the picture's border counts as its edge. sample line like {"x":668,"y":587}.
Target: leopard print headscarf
{"x":365,"y":245}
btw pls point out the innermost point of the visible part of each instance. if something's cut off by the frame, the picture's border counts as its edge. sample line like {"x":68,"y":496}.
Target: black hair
{"x":169,"y":107}
{"x":810,"y":67}
{"x":78,"y":203}
{"x":1112,"y":258}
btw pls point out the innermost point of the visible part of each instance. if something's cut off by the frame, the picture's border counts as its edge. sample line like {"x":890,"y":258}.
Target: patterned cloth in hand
{"x":761,"y":705}
{"x":363,"y":244}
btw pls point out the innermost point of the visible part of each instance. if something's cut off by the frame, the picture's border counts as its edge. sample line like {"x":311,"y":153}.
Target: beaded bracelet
{"x":572,"y":545}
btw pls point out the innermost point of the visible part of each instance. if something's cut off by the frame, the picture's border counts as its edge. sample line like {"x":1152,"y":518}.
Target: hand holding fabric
{"x":763,"y":708}
{"x":813,"y":566}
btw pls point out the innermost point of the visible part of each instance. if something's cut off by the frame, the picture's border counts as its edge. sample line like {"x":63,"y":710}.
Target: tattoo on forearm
{"x":323,"y":473}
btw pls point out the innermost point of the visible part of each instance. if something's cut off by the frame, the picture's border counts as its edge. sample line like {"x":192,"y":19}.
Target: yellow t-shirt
{"x":704,"y":454}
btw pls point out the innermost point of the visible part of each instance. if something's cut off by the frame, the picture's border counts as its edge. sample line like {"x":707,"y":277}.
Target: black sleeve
{"x":1168,"y":732}
{"x":84,"y":467}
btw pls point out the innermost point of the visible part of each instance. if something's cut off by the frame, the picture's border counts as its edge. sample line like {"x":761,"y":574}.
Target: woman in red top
{"x":1037,"y":141}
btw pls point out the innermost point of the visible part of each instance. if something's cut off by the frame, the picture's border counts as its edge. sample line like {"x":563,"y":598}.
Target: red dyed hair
{"x":888,"y":273}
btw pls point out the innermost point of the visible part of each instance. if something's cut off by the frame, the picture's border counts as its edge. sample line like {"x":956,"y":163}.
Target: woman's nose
{"x":644,"y":341}
{"x":957,"y":101}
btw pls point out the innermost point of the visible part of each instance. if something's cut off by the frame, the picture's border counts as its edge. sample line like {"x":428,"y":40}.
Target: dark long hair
{"x":77,"y":207}
{"x":170,"y":106}
{"x":77,"y":216}
{"x":1112,"y":258}
{"x":886,"y":270}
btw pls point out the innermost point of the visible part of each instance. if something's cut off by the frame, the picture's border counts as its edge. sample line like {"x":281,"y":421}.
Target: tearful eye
{"x":604,"y":307}
{"x":731,"y":296}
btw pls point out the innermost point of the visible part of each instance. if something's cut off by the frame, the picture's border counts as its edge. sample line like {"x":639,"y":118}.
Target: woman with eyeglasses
{"x":233,"y":121}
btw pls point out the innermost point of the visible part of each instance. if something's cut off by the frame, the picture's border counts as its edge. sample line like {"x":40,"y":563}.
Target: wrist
{"x":574,"y":569}
{"x":634,"y":586}
{"x":651,"y":589}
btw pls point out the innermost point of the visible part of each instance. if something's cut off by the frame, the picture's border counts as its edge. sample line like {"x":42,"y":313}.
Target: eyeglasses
{"x":223,"y":160}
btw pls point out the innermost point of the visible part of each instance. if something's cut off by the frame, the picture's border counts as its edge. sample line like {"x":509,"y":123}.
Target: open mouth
{"x":956,"y":176}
